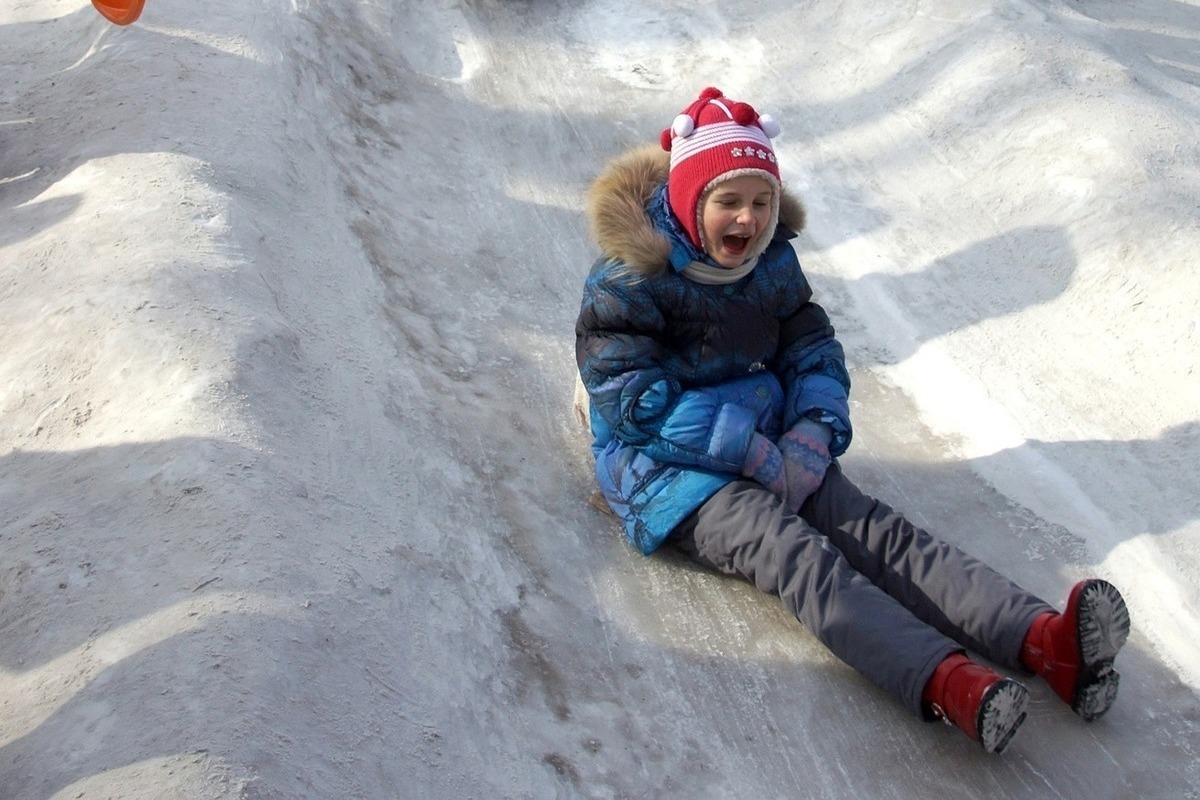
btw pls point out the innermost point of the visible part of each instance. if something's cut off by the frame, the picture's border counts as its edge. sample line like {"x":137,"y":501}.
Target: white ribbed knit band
{"x":713,"y":135}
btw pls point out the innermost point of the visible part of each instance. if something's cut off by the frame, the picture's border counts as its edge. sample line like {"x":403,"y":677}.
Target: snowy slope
{"x":292,"y":504}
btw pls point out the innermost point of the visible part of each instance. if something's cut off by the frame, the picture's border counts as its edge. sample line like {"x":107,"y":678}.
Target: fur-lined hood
{"x":616,"y":210}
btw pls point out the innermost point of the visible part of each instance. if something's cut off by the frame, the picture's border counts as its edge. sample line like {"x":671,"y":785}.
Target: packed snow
{"x":292,"y":500}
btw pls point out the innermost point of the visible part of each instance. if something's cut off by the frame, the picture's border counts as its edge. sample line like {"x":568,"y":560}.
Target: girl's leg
{"x":745,"y":530}
{"x":940,"y":584}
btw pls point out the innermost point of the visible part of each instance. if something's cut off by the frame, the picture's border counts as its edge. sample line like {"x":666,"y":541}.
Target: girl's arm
{"x":812,"y":367}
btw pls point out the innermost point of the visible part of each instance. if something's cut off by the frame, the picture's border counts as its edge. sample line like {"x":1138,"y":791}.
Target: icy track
{"x":292,"y":503}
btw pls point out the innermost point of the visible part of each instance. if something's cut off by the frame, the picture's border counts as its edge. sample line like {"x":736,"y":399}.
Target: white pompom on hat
{"x":712,"y":137}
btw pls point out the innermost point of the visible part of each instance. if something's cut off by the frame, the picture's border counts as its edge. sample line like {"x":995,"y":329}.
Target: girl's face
{"x":734,"y":214}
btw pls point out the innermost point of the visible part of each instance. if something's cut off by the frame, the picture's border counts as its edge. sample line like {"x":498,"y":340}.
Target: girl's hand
{"x":764,"y":463}
{"x":805,"y":451}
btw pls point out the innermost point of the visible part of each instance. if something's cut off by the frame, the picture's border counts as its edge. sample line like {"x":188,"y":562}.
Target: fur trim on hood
{"x":616,"y":210}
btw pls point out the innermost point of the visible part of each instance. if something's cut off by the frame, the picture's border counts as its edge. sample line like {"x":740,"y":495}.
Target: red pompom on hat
{"x":712,"y":140}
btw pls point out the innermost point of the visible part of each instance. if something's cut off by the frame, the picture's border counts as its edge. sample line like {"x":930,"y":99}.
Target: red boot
{"x":1074,"y":651}
{"x":985,"y":706}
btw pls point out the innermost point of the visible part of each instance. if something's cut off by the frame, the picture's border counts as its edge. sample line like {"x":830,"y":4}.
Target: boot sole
{"x":1001,"y":713}
{"x":1103,"y":626}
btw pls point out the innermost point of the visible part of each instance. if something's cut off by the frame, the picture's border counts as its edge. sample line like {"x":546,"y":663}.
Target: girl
{"x":718,"y":403}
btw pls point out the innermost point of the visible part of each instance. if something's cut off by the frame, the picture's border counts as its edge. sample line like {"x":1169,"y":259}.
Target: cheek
{"x":716,"y":219}
{"x":712,"y":224}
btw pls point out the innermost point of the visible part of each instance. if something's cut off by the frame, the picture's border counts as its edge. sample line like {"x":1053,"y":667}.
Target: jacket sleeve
{"x":626,"y":371}
{"x":812,"y":366}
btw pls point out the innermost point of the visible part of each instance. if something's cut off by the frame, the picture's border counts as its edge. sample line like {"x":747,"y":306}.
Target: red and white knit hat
{"x":712,"y":140}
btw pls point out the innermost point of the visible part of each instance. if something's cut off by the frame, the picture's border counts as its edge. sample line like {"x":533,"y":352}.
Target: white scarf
{"x":717,"y":276}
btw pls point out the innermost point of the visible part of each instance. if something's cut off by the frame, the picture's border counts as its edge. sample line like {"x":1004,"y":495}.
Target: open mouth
{"x":736,"y":245}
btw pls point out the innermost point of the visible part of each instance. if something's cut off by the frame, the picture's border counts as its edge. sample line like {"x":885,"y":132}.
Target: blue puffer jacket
{"x":680,"y":374}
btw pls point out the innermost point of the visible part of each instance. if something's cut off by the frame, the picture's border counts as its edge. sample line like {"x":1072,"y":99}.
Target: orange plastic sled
{"x":120,"y":12}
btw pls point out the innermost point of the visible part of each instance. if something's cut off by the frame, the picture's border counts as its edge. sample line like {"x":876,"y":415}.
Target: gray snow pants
{"x":886,"y":597}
